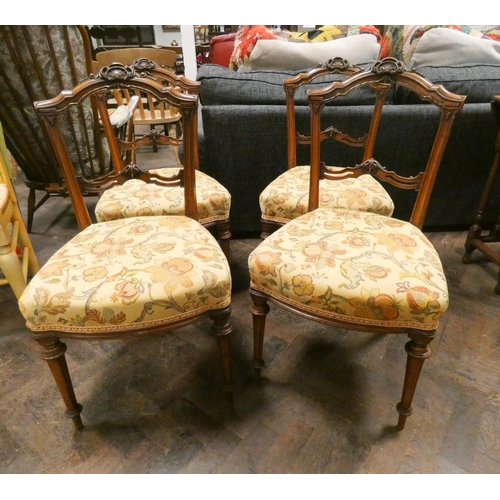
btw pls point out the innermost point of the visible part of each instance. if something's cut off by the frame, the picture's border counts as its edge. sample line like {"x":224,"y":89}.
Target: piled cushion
{"x":248,"y":37}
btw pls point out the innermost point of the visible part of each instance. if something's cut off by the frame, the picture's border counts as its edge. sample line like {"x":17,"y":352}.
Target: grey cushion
{"x":479,"y":82}
{"x":221,"y":86}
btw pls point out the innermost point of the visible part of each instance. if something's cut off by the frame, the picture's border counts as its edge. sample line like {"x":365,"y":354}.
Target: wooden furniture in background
{"x":148,"y":112}
{"x":356,"y":270}
{"x":130,"y":277}
{"x":477,"y":239}
{"x":37,"y":62}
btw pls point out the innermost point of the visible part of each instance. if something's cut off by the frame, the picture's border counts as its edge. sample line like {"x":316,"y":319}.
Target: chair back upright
{"x":336,"y":66}
{"x":384,"y":75}
{"x":60,"y":110}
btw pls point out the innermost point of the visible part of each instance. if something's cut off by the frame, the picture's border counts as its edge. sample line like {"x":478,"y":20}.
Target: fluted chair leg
{"x":53,"y":352}
{"x":224,"y":237}
{"x":259,"y":310}
{"x":418,"y":351}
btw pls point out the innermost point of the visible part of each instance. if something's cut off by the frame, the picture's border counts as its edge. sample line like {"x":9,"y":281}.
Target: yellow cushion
{"x":353,"y":266}
{"x":138,"y":198}
{"x":287,"y":196}
{"x":128,"y":274}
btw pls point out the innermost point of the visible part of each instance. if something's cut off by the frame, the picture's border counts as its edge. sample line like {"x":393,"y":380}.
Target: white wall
{"x":165,"y":38}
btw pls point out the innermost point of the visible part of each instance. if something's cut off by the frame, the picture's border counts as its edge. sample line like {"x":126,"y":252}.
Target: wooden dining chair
{"x":134,"y":276}
{"x":148,"y":112}
{"x":286,"y":197}
{"x":359,"y":270}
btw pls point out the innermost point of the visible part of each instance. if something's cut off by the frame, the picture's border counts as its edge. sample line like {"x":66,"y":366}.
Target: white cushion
{"x":279,"y":55}
{"x":444,"y":46}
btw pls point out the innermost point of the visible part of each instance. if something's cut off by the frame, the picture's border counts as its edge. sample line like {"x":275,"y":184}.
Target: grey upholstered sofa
{"x":245,"y":147}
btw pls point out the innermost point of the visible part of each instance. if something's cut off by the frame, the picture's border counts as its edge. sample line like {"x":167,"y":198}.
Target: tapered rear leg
{"x":223,"y":328}
{"x":418,"y":351}
{"x":224,"y":237}
{"x":53,"y":352}
{"x":259,"y":310}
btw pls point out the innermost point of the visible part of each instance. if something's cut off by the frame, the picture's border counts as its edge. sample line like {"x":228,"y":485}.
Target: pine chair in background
{"x":148,"y":112}
{"x":359,"y":270}
{"x":130,"y":277}
{"x":17,"y":257}
{"x":286,"y":197}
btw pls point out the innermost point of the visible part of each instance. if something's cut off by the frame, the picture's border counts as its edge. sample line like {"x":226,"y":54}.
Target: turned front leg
{"x":259,"y":310}
{"x":53,"y":353}
{"x":418,"y":351}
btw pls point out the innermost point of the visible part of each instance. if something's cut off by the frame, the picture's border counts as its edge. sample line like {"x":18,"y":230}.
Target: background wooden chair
{"x":131,"y":277}
{"x":36,"y":63}
{"x":148,"y":112}
{"x":477,"y":238}
{"x":286,"y":197}
{"x":17,"y":257}
{"x":359,"y":270}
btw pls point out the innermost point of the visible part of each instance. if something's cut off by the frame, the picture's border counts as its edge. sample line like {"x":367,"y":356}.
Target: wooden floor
{"x":326,"y":403}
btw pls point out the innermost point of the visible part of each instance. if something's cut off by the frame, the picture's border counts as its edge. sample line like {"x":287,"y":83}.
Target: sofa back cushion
{"x":222,"y":86}
{"x":479,"y":82}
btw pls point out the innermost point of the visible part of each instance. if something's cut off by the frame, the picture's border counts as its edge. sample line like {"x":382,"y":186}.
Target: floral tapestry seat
{"x":136,"y":197}
{"x":353,"y":266}
{"x":286,"y":198}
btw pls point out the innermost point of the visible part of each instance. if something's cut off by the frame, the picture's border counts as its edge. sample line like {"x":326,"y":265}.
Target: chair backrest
{"x":164,"y":58}
{"x":336,"y":66}
{"x":59,"y":112}
{"x":380,"y":79}
{"x":38,"y":62}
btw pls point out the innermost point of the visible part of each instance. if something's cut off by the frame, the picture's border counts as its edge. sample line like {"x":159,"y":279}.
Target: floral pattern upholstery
{"x":287,"y":197}
{"x":137,"y":198}
{"x":353,"y":266}
{"x":128,"y":274}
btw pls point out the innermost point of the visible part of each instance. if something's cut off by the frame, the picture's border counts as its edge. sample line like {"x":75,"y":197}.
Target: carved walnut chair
{"x":130,"y":277}
{"x":286,"y":197}
{"x":359,"y":270}
{"x":36,"y":63}
{"x":139,"y":197}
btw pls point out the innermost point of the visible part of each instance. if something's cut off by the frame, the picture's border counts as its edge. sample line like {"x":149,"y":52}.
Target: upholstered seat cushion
{"x":353,"y":266}
{"x":131,"y":273}
{"x":137,"y":198}
{"x":287,"y":197}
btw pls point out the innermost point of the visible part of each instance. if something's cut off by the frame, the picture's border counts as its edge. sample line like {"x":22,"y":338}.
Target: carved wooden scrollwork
{"x":371,"y":166}
{"x":117,"y":71}
{"x":144,"y":64}
{"x":337,"y":64}
{"x":389,"y":65}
